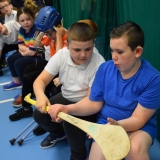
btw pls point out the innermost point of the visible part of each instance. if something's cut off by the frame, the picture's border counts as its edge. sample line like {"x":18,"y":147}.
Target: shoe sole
{"x":30,"y":115}
{"x":54,"y":142}
{"x":4,"y":66}
{"x":39,"y":134}
{"x":12,"y":88}
{"x":16,"y":106}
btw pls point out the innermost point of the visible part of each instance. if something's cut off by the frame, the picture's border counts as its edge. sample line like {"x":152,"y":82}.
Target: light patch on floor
{"x":2,"y":84}
{"x":7,"y":100}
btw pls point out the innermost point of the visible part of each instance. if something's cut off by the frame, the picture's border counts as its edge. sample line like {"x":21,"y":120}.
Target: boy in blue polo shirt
{"x":125,"y":92}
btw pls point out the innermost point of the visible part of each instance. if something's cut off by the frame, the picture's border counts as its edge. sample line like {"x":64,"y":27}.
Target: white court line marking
{"x":1,"y":84}
{"x":7,"y":100}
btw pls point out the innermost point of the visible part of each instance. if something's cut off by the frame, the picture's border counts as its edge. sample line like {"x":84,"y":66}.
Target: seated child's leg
{"x":95,"y":152}
{"x":140,"y":144}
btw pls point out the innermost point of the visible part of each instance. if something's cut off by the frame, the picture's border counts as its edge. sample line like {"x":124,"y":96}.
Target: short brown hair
{"x":92,"y":24}
{"x":131,"y":31}
{"x":30,"y":8}
{"x":81,"y":32}
{"x":9,"y":1}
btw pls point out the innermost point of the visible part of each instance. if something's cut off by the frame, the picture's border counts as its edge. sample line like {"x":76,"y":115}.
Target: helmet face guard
{"x":37,"y":41}
{"x":47,"y":19}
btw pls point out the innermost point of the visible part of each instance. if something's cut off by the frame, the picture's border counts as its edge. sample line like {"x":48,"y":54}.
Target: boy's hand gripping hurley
{"x":112,"y":139}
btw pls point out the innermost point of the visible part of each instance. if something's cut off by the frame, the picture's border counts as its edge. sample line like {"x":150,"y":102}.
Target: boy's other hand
{"x":41,"y":103}
{"x":60,"y":31}
{"x":112,"y":121}
{"x":55,"y":109}
{"x":56,"y":82}
{"x":3,"y":29}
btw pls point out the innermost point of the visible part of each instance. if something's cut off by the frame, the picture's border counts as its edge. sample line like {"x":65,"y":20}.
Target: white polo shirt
{"x":75,"y":79}
{"x":6,"y":39}
{"x":13,"y":28}
{"x":12,"y":16}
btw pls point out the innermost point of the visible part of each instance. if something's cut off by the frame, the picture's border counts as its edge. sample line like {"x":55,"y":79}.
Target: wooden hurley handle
{"x":113,"y":140}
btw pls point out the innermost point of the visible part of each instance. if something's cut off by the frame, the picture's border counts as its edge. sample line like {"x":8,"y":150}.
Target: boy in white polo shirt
{"x":10,"y":15}
{"x":77,"y":65}
{"x":9,"y":32}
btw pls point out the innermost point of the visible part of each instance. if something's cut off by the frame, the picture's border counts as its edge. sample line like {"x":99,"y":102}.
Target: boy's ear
{"x":11,"y":6}
{"x":138,"y":51}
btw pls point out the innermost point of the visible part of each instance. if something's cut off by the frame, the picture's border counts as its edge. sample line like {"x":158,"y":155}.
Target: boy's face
{"x":6,"y":8}
{"x":124,"y":58}
{"x":51,"y":34}
{"x":80,"y":51}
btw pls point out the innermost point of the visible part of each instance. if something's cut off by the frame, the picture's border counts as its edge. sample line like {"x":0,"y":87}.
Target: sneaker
{"x":49,"y":141}
{"x":1,"y":73}
{"x":21,"y":113}
{"x":11,"y":86}
{"x":17,"y":102}
{"x":4,"y":64}
{"x":39,"y":131}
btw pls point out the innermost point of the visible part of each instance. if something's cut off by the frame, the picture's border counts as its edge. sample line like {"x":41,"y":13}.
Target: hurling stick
{"x":112,"y":139}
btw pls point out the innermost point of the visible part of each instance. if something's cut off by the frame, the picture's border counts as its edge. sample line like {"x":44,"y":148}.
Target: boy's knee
{"x":37,"y":116}
{"x":41,"y":118}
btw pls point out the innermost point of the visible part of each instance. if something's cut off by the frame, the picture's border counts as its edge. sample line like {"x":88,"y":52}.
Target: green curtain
{"x":101,"y":11}
{"x":109,"y":13}
{"x":145,"y":13}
